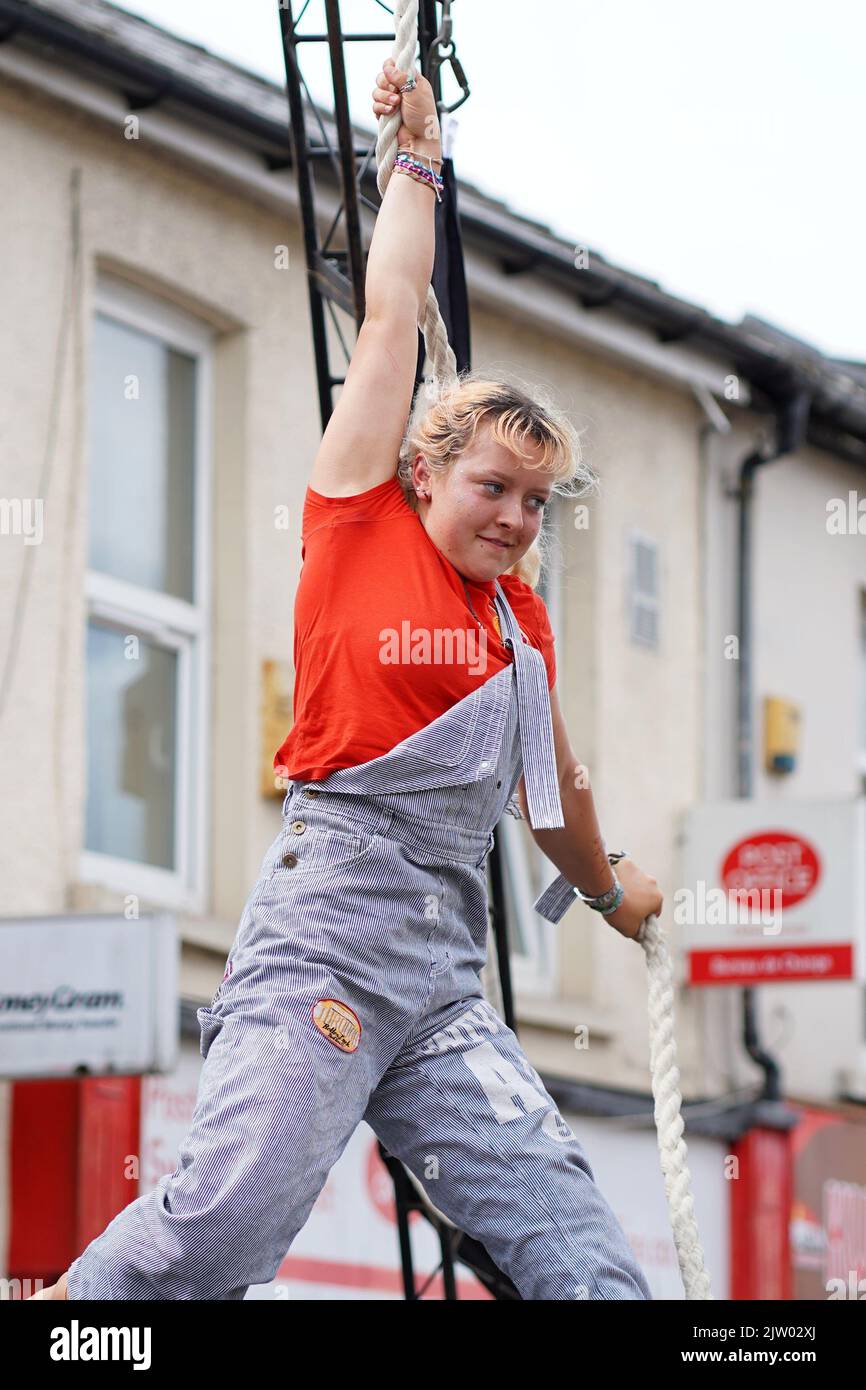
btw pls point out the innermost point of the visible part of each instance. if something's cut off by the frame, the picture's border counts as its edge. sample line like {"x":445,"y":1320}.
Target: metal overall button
{"x":289,"y":860}
{"x":484,"y":765}
{"x":311,"y":791}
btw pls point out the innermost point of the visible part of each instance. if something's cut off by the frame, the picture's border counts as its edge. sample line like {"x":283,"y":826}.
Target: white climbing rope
{"x":663,"y":1049}
{"x":665,"y":1077}
{"x":440,"y":355}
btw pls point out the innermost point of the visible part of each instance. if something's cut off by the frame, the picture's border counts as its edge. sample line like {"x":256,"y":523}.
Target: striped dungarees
{"x":352,"y":992}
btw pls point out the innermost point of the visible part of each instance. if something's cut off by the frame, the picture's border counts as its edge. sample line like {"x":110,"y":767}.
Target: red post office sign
{"x":772,"y":892}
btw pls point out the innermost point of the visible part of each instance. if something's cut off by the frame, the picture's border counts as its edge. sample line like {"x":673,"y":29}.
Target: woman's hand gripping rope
{"x":417,"y":107}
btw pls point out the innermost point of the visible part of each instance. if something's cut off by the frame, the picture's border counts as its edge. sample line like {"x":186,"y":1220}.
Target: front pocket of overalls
{"x":319,"y":848}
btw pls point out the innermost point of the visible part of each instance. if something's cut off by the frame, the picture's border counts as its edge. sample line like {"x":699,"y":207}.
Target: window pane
{"x":142,"y":453}
{"x":518,"y":944}
{"x":131,"y":722}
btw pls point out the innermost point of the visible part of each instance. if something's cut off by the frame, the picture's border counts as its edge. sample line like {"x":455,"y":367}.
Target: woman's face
{"x":486,"y":495}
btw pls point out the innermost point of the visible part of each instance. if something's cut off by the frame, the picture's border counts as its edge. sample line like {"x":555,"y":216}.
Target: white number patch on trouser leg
{"x":499,"y":1078}
{"x":503,"y":1084}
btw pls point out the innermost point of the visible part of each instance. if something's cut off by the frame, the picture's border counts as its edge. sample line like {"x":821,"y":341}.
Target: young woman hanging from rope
{"x":425,"y":698}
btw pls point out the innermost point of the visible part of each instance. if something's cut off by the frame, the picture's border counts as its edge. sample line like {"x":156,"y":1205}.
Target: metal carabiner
{"x":437,"y":59}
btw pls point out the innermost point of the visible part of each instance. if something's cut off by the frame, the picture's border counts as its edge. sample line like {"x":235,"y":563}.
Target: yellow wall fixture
{"x":275,"y":720}
{"x":781,"y":734}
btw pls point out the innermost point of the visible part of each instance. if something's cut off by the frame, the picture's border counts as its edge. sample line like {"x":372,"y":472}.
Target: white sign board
{"x":88,"y":995}
{"x":772,"y":892}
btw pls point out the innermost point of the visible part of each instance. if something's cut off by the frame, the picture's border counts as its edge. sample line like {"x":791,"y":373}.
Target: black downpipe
{"x":791,"y":422}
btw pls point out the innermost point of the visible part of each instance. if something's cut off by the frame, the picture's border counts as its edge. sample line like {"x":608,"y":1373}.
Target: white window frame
{"x":178,"y":625}
{"x":639,"y":598}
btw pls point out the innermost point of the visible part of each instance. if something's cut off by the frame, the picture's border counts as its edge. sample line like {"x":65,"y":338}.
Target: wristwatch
{"x":607,"y":903}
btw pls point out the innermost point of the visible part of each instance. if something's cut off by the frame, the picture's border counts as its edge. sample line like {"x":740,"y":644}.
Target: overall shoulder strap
{"x":535,"y":724}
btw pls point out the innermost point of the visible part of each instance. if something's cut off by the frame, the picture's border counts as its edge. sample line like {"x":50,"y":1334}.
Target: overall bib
{"x":352,"y":991}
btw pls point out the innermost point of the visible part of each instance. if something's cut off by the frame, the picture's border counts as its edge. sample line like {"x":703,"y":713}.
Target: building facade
{"x":158,"y":426}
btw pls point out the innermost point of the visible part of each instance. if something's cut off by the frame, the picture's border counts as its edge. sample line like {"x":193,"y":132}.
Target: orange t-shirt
{"x":385,"y":641}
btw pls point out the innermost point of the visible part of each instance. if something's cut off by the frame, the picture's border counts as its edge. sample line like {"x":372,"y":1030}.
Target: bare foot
{"x":55,"y":1291}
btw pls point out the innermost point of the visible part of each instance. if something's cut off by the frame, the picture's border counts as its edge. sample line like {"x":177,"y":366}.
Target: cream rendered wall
{"x":650,"y":736}
{"x":806,"y":587}
{"x":808,"y":637}
{"x":634,"y":714}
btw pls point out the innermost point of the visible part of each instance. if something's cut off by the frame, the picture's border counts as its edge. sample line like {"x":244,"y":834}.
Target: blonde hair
{"x":445,"y":421}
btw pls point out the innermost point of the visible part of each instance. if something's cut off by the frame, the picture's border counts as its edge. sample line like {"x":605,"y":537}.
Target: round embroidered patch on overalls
{"x":338,"y":1023}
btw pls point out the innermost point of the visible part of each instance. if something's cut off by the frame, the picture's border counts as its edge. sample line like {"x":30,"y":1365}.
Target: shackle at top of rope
{"x":436,"y":57}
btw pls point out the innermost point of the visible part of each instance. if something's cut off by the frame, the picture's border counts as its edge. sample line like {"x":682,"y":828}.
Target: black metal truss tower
{"x":335,"y":274}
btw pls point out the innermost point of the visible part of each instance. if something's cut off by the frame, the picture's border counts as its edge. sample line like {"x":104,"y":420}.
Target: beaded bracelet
{"x":405,"y":158}
{"x":416,"y":170}
{"x":618,"y":897}
{"x":421,"y":178}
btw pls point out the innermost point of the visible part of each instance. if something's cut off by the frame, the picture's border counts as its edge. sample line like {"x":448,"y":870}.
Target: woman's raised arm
{"x":360,"y":447}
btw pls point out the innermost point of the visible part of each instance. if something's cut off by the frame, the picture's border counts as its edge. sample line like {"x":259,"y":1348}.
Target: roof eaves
{"x":150,"y":64}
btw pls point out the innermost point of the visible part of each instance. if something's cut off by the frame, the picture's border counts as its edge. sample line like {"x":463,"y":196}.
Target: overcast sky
{"x":715,"y":148}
